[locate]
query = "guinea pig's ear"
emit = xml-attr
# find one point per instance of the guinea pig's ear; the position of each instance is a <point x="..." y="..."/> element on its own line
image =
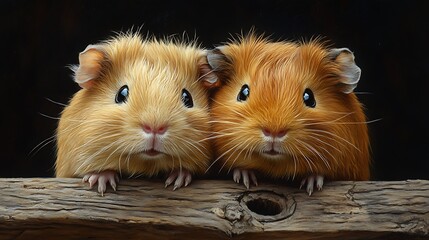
<point x="350" y="72"/>
<point x="89" y="66"/>
<point x="207" y="76"/>
<point x="217" y="62"/>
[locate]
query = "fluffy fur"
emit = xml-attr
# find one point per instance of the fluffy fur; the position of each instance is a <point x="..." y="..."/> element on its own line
<point x="330" y="139"/>
<point x="95" y="133"/>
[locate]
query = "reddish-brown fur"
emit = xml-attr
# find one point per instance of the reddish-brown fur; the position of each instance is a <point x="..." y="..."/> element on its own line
<point x="330" y="139"/>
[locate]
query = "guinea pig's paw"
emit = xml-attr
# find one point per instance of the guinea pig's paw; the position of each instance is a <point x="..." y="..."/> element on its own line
<point x="311" y="181"/>
<point x="102" y="178"/>
<point x="180" y="178"/>
<point x="238" y="173"/>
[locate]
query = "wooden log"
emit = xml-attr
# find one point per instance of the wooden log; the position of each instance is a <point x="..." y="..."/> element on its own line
<point x="55" y="208"/>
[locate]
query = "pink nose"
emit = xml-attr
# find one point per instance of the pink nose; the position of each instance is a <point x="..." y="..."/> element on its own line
<point x="269" y="133"/>
<point x="157" y="130"/>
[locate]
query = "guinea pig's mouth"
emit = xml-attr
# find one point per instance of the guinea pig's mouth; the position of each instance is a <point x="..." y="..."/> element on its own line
<point x="151" y="152"/>
<point x="272" y="153"/>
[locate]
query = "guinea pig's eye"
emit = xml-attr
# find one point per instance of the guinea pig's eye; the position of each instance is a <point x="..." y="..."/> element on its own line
<point x="122" y="94"/>
<point x="187" y="99"/>
<point x="244" y="93"/>
<point x="308" y="98"/>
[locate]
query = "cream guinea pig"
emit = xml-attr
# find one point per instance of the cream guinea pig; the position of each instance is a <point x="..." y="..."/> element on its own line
<point x="286" y="110"/>
<point x="142" y="110"/>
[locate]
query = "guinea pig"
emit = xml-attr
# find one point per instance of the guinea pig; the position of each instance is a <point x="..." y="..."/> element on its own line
<point x="142" y="110"/>
<point x="286" y="110"/>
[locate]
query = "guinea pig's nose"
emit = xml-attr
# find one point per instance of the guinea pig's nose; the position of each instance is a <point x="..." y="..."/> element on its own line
<point x="154" y="130"/>
<point x="270" y="133"/>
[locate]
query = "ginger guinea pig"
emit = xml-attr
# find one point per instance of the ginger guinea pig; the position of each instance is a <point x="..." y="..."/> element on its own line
<point x="142" y="110"/>
<point x="288" y="110"/>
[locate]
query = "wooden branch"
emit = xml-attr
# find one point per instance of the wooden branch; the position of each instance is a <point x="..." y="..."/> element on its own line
<point x="55" y="208"/>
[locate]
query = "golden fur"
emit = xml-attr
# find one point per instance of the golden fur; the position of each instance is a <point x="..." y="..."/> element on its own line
<point x="96" y="134"/>
<point x="330" y="139"/>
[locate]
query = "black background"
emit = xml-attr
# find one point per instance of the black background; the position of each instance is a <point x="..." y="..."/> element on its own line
<point x="389" y="40"/>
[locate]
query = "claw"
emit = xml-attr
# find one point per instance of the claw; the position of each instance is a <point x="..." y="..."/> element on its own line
<point x="102" y="178"/>
<point x="253" y="177"/>
<point x="319" y="182"/>
<point x="311" y="181"/>
<point x="180" y="178"/>
<point x="188" y="180"/>
<point x="112" y="181"/>
<point x="86" y="177"/>
<point x="302" y="183"/>
<point x="247" y="175"/>
<point x="93" y="180"/>
<point x="236" y="175"/>
<point x="101" y="187"/>
<point x="171" y="178"/>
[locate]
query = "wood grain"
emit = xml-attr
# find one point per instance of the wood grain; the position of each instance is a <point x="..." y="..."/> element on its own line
<point x="56" y="208"/>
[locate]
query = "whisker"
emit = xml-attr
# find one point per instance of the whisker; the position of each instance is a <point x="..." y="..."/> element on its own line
<point x="201" y="131"/>
<point x="324" y="122"/>
<point x="116" y="149"/>
<point x="323" y="142"/>
<point x="344" y="123"/>
<point x="127" y="160"/>
<point x="236" y="147"/>
<point x="363" y="93"/>
<point x="58" y="103"/>
<point x="336" y="121"/>
<point x="294" y="161"/>
<point x="92" y="156"/>
<point x="239" y="154"/>
<point x="176" y="149"/>
<point x="317" y="139"/>
<point x="195" y="143"/>
<point x="50" y="117"/>
<point x="41" y="145"/>
<point x="120" y="159"/>
<point x="204" y="75"/>
<point x="250" y="151"/>
<point x="305" y="158"/>
<point x="105" y="135"/>
<point x="334" y="135"/>
<point x="180" y="163"/>
<point x="192" y="150"/>
<point x="313" y="150"/>
<point x="365" y="122"/>
<point x="311" y="132"/>
<point x="218" y="158"/>
<point x="217" y="135"/>
<point x="336" y="112"/>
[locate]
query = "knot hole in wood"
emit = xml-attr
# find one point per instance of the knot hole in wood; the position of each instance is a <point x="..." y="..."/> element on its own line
<point x="266" y="206"/>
